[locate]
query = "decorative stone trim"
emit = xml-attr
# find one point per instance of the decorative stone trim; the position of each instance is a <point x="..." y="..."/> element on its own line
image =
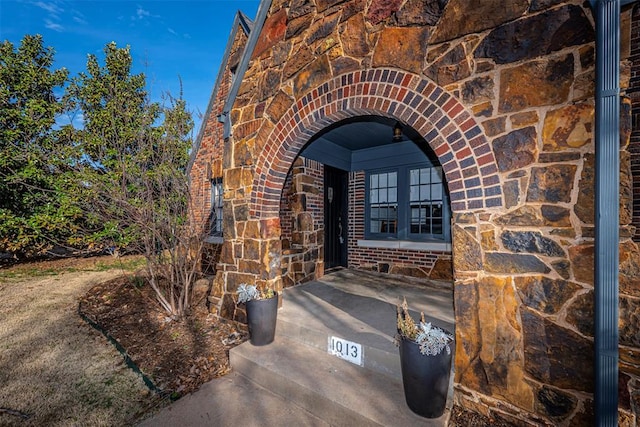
<point x="452" y="132"/>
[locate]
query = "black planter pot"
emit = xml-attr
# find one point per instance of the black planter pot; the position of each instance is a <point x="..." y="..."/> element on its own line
<point x="425" y="379"/>
<point x="261" y="318"/>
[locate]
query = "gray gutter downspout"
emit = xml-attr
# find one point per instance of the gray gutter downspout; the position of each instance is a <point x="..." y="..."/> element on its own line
<point x="261" y="16"/>
<point x="607" y="212"/>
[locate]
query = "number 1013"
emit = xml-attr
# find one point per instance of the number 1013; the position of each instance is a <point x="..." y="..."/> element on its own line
<point x="347" y="350"/>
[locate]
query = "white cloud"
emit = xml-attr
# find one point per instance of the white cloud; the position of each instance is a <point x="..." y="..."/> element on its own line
<point x="48" y="23"/>
<point x="172" y="31"/>
<point x="54" y="11"/>
<point x="50" y="7"/>
<point x="141" y="13"/>
<point x="79" y="18"/>
<point x="74" y="118"/>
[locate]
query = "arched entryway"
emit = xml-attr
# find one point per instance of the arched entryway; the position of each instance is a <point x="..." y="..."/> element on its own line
<point x="366" y="193"/>
<point x="452" y="133"/>
<point x="430" y="112"/>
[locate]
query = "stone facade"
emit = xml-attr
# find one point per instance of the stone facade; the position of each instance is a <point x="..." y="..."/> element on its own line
<point x="634" y="96"/>
<point x="503" y="93"/>
<point x="301" y="212"/>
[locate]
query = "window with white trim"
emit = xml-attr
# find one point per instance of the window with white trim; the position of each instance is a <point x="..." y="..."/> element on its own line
<point x="407" y="203"/>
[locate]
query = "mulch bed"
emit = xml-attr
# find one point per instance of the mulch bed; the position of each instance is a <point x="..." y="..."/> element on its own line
<point x="177" y="356"/>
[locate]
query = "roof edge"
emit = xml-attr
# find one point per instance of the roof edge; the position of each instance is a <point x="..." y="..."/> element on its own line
<point x="261" y="16"/>
<point x="240" y="21"/>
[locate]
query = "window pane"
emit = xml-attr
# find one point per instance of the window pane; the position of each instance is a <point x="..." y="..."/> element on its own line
<point x="424" y="176"/>
<point x="436" y="192"/>
<point x="437" y="225"/>
<point x="383" y="199"/>
<point x="382" y="195"/>
<point x="425" y="194"/>
<point x="436" y="175"/>
<point x="393" y="179"/>
<point x="436" y="211"/>
<point x="414" y="177"/>
<point x="393" y="195"/>
<point x="215" y="215"/>
<point x="414" y="194"/>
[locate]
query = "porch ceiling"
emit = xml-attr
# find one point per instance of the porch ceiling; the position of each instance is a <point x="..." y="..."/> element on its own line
<point x="359" y="133"/>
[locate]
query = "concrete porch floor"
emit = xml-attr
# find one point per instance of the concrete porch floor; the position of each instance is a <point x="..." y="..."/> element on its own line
<point x="362" y="294"/>
<point x="360" y="306"/>
<point x="294" y="381"/>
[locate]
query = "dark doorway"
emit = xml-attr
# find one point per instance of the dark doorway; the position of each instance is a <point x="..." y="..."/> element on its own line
<point x="336" y="185"/>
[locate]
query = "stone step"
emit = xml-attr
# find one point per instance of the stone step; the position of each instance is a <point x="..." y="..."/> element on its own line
<point x="336" y="391"/>
<point x="357" y="311"/>
<point x="325" y="316"/>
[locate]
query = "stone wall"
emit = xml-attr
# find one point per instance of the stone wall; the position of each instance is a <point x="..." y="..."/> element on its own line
<point x="503" y="93"/>
<point x="301" y="219"/>
<point x="634" y="95"/>
<point x="211" y="158"/>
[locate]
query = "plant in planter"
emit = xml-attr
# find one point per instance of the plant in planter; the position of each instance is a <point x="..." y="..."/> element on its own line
<point x="262" y="310"/>
<point x="425" y="359"/>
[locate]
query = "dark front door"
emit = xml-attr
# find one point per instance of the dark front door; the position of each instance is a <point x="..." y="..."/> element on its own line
<point x="336" y="184"/>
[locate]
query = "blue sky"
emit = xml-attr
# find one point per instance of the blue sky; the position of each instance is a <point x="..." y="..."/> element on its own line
<point x="167" y="38"/>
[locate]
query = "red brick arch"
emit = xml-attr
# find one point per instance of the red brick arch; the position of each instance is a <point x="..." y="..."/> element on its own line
<point x="451" y="131"/>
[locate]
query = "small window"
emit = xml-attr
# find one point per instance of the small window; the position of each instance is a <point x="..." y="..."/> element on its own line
<point x="425" y="198"/>
<point x="383" y="203"/>
<point x="215" y="217"/>
<point x="407" y="203"/>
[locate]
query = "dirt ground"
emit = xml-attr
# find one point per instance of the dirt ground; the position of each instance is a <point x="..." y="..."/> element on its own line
<point x="57" y="370"/>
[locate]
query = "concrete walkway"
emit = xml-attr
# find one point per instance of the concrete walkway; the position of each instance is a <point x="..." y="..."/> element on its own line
<point x="232" y="401"/>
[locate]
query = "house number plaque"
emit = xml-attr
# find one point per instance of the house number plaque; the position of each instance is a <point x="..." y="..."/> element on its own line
<point x="347" y="350"/>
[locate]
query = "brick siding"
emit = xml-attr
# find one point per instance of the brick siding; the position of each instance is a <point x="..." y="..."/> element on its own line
<point x="207" y="164"/>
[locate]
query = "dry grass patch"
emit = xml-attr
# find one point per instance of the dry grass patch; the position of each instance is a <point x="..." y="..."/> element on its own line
<point x="53" y="366"/>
